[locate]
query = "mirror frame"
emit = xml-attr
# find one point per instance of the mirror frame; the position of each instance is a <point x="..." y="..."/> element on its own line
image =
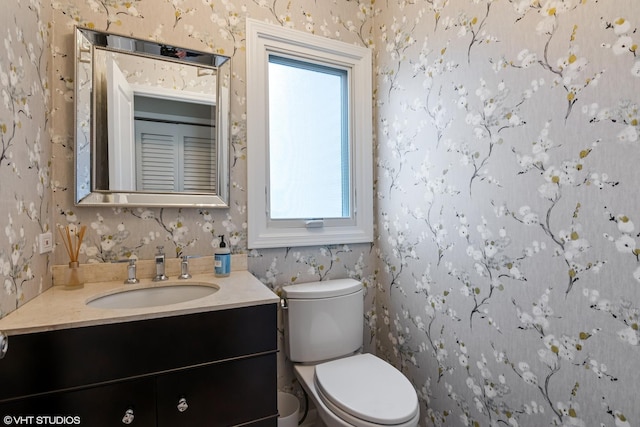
<point x="85" y="124"/>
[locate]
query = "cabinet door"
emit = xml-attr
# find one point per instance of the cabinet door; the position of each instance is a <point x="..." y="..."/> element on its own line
<point x="209" y="336"/>
<point x="221" y="394"/>
<point x="101" y="406"/>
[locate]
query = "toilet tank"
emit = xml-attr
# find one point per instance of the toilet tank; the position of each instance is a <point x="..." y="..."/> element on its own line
<point x="323" y="320"/>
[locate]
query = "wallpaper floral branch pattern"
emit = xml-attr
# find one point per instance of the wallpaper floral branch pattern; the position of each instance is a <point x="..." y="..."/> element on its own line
<point x="504" y="277"/>
<point x="25" y="166"/>
<point x="507" y="134"/>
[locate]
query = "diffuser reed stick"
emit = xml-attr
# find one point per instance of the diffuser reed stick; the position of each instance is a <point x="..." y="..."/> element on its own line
<point x="72" y="241"/>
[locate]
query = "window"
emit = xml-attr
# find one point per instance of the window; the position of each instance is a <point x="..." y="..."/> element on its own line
<point x="308" y="139"/>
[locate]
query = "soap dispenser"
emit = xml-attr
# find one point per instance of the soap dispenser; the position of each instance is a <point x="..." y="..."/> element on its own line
<point x="222" y="259"/>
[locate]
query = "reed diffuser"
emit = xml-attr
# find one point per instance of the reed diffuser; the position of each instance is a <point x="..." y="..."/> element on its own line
<point x="72" y="240"/>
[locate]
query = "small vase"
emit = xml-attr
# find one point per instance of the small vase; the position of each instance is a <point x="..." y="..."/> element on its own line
<point x="74" y="278"/>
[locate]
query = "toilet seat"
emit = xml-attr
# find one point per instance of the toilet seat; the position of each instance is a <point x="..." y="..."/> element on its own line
<point x="365" y="390"/>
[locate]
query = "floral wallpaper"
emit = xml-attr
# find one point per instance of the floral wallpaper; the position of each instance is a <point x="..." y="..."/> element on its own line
<point x="504" y="278"/>
<point x="507" y="196"/>
<point x="25" y="151"/>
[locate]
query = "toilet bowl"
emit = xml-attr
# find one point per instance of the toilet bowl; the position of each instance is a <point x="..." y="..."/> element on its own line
<point x="360" y="390"/>
<point x="323" y="336"/>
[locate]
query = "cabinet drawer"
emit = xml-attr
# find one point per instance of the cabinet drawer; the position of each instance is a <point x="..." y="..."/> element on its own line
<point x="70" y="358"/>
<point x="223" y="394"/>
<point x="102" y="406"/>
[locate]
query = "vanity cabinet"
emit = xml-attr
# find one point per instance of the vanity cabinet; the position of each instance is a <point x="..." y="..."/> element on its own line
<point x="100" y="406"/>
<point x="216" y="369"/>
<point x="242" y="380"/>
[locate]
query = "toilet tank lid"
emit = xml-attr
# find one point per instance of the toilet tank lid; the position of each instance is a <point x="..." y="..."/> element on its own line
<point x="323" y="289"/>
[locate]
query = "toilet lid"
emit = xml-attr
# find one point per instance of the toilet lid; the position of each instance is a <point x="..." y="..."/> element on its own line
<point x="368" y="388"/>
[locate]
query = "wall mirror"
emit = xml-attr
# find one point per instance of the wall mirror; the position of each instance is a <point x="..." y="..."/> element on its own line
<point x="151" y="123"/>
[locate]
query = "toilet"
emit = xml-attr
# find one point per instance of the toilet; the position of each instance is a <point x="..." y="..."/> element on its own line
<point x="323" y="338"/>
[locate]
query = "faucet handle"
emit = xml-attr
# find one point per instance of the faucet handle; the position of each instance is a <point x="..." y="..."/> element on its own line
<point x="131" y="270"/>
<point x="184" y="267"/>
<point x="131" y="273"/>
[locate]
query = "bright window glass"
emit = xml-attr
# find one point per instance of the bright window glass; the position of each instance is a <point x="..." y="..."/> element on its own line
<point x="308" y="140"/>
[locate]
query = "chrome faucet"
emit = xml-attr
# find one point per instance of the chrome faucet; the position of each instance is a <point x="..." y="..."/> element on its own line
<point x="184" y="268"/>
<point x="160" y="264"/>
<point x="131" y="273"/>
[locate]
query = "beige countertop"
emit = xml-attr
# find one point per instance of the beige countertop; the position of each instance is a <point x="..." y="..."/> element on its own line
<point x="58" y="308"/>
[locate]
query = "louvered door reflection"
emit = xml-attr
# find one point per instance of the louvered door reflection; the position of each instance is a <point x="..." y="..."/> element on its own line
<point x="199" y="166"/>
<point x="175" y="157"/>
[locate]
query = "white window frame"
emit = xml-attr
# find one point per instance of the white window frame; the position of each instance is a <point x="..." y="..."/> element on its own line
<point x="264" y="39"/>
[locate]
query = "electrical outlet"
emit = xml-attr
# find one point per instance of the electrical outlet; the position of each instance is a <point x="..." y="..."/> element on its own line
<point x="46" y="242"/>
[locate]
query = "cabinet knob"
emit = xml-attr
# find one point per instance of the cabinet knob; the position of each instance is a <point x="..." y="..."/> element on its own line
<point x="4" y="344"/>
<point x="128" y="417"/>
<point x="182" y="404"/>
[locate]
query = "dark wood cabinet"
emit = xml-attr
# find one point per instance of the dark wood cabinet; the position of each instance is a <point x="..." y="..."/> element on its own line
<point x="223" y="394"/>
<point x="215" y="369"/>
<point x="102" y="406"/>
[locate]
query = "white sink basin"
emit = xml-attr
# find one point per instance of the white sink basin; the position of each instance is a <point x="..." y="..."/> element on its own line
<point x="154" y="296"/>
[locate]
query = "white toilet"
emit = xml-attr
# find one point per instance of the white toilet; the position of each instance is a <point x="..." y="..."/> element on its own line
<point x="323" y="337"/>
